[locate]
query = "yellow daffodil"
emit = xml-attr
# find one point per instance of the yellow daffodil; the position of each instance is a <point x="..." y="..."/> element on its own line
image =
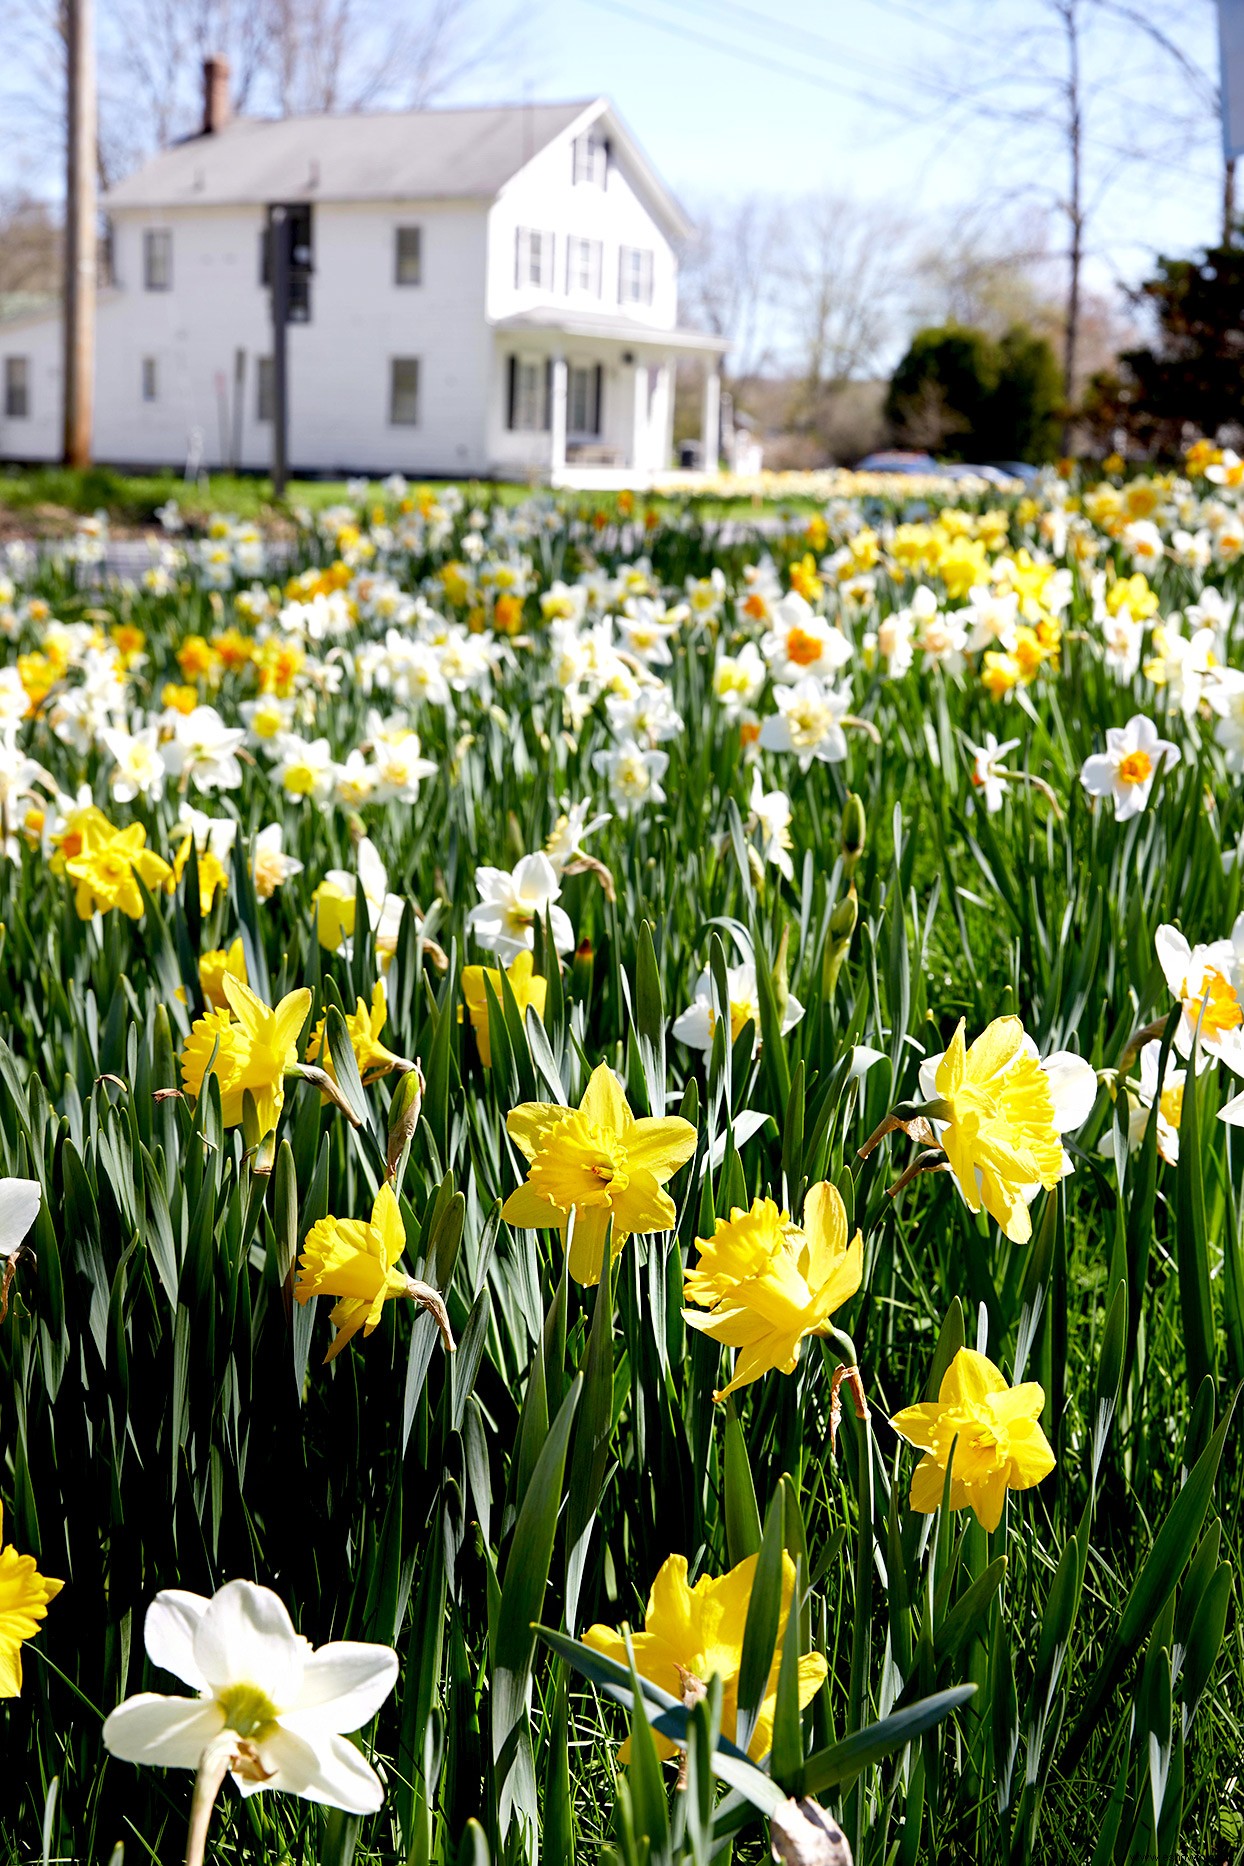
<point x="212" y="874"/>
<point x="364" y="1025"/>
<point x="527" y="986"/>
<point x="692" y="1634"/>
<point x="600" y="1163"/>
<point x="258" y="1047"/>
<point x="106" y="864"/>
<point x="767" y="1282"/>
<point x="357" y="1260"/>
<point x="995" y="1430"/>
<point x="335" y="908"/>
<point x="1005" y="1111"/>
<point x="24" y="1597"/>
<point x="212" y="969"/>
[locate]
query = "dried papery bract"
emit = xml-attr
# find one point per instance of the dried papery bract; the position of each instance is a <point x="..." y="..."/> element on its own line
<point x="855" y="1381"/>
<point x="803" y="1834"/>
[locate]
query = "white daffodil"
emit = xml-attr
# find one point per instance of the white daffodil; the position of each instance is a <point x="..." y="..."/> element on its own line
<point x="304" y="768"/>
<point x="1141" y="1096"/>
<point x="771" y="814"/>
<point x="1143" y="539"/>
<point x="647" y="627"/>
<point x="272" y="868"/>
<point x="634" y="774"/>
<point x="1207" y="980"/>
<point x="203" y="750"/>
<point x="987" y="774"/>
<point x="19" y="1207"/>
<point x="138" y="768"/>
<point x="510" y="904"/>
<point x="802" y="643"/>
<point x="399" y="768"/>
<point x="993" y="617"/>
<point x="214" y="835"/>
<point x="697" y="1025"/>
<point x="289" y="1708"/>
<point x="1180" y="663"/>
<point x="1121" y="642"/>
<point x="1225" y="694"/>
<point x="1126" y="770"/>
<point x="571" y="831"/>
<point x="807" y="722"/>
<point x="738" y="679"/>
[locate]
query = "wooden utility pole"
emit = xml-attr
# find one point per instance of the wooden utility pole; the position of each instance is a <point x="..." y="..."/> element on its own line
<point x="80" y="232"/>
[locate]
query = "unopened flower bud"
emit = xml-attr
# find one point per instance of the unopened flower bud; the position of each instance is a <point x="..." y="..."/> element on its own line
<point x="404" y="1112"/>
<point x="854" y="831"/>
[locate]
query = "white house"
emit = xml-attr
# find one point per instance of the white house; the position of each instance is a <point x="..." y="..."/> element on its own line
<point x="492" y="292"/>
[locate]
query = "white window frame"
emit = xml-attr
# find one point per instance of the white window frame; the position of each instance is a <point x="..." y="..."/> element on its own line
<point x="157" y="259"/>
<point x="534" y="252"/>
<point x="589" y="161"/>
<point x="584" y="266"/>
<point x="399" y="233"/>
<point x="635" y="273"/>
<point x="17" y="388"/>
<point x="410" y="420"/>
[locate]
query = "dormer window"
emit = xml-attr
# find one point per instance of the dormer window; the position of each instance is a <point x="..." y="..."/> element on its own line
<point x="590" y="160"/>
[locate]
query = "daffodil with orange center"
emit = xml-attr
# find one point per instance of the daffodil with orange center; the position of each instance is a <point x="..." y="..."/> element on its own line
<point x="358" y="1261"/>
<point x="996" y="1433"/>
<point x="693" y="1634"/>
<point x="24" y="1597"/>
<point x="528" y="988"/>
<point x="599" y="1163"/>
<point x="767" y="1283"/>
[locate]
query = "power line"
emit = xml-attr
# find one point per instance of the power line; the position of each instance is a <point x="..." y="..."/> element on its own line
<point x="824" y="50"/>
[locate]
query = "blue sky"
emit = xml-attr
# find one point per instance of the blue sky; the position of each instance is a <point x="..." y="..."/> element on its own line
<point x="730" y="96"/>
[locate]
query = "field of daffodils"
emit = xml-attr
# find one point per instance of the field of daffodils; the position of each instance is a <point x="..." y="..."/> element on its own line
<point x="621" y="1181"/>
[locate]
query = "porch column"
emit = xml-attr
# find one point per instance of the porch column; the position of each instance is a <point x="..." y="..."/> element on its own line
<point x="639" y="418"/>
<point x="557" y="418"/>
<point x="710" y="420"/>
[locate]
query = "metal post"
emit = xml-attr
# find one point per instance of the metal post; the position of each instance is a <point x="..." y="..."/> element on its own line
<point x="279" y="260"/>
<point x="80" y="233"/>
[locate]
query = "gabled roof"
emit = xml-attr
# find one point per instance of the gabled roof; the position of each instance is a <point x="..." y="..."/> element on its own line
<point x="408" y="155"/>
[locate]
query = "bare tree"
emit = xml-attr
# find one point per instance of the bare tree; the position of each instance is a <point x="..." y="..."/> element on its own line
<point x="844" y="280"/>
<point x="727" y="280"/>
<point x="285" y="56"/>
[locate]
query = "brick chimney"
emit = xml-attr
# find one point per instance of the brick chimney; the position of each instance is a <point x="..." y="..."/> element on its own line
<point x="215" y="95"/>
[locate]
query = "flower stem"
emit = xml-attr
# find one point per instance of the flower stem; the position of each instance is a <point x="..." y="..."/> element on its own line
<point x="214" y="1764"/>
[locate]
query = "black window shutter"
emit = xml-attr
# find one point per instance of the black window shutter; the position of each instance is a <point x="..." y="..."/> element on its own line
<point x="548" y="393"/>
<point x="511" y="389"/>
<point x="597" y="388"/>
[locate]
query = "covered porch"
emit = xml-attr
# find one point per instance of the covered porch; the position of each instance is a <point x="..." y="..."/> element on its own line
<point x="587" y="400"/>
